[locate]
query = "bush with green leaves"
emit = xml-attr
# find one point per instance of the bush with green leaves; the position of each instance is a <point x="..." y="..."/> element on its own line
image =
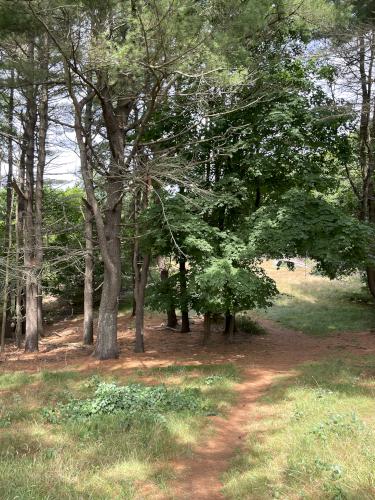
<point x="130" y="400"/>
<point x="225" y="285"/>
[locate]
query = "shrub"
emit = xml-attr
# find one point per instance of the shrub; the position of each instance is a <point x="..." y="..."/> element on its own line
<point x="132" y="399"/>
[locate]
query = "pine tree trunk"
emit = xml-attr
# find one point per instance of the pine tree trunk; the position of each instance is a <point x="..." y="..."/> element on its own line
<point x="106" y="344"/>
<point x="19" y="315"/>
<point x="30" y="261"/>
<point x="6" y="278"/>
<point x="88" y="319"/>
<point x="8" y="216"/>
<point x="42" y="153"/>
<point x="31" y="337"/>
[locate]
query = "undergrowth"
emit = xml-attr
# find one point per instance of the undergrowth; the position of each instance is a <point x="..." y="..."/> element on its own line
<point x="70" y="435"/>
<point x="130" y="400"/>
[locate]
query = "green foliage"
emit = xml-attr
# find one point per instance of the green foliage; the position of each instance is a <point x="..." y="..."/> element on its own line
<point x="132" y="401"/>
<point x="306" y="224"/>
<point x="222" y="286"/>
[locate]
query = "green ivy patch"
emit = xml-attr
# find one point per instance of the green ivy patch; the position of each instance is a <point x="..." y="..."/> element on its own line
<point x="132" y="399"/>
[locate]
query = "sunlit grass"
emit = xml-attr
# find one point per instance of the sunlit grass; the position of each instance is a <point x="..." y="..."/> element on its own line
<point x="313" y="437"/>
<point x="101" y="457"/>
<point x="319" y="306"/>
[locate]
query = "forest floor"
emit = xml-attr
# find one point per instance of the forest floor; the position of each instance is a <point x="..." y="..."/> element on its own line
<point x="227" y="455"/>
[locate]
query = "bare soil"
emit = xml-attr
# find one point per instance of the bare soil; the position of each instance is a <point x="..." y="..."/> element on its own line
<point x="261" y="358"/>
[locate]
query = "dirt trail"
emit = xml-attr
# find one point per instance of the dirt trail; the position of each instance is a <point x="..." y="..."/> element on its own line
<point x="261" y="358"/>
<point x="278" y="353"/>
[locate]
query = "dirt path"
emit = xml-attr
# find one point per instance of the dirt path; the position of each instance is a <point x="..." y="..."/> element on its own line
<point x="261" y="359"/>
<point x="278" y="353"/>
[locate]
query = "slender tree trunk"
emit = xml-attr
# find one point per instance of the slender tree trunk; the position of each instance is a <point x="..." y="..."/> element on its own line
<point x="42" y="140"/>
<point x="171" y="311"/>
<point x="88" y="320"/>
<point x="19" y="315"/>
<point x="6" y="278"/>
<point x="231" y="330"/>
<point x="88" y="300"/>
<point x="20" y="214"/>
<point x="140" y="288"/>
<point x="185" y="324"/>
<point x="9" y="211"/>
<point x="31" y="269"/>
<point x="206" y="328"/>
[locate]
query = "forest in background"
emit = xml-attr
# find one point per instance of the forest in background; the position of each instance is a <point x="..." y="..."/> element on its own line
<point x="210" y="134"/>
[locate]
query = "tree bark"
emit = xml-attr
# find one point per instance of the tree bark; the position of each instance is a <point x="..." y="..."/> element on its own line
<point x="140" y="288"/>
<point x="19" y="315"/>
<point x="6" y="278"/>
<point x="171" y="311"/>
<point x="185" y="323"/>
<point x="31" y="270"/>
<point x="106" y="344"/>
<point x="42" y="140"/>
<point x="9" y="213"/>
<point x="88" y="316"/>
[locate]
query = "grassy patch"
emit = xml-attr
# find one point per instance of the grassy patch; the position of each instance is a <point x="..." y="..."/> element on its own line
<point x="313" y="437"/>
<point x="125" y="453"/>
<point x="319" y="306"/>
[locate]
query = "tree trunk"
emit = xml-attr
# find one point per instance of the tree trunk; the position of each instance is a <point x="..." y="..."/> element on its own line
<point x="88" y="316"/>
<point x="42" y="139"/>
<point x="6" y="278"/>
<point x="140" y="286"/>
<point x="30" y="261"/>
<point x="206" y="328"/>
<point x="171" y="311"/>
<point x="370" y="271"/>
<point x="172" y="320"/>
<point x="228" y="319"/>
<point x="31" y="337"/>
<point x="185" y="324"/>
<point x="9" y="215"/>
<point x="19" y="225"/>
<point x="232" y="322"/>
<point x="106" y="344"/>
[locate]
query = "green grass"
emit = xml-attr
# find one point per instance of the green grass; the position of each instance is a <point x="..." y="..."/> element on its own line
<point x="98" y="457"/>
<point x="313" y="437"/>
<point x="319" y="306"/>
